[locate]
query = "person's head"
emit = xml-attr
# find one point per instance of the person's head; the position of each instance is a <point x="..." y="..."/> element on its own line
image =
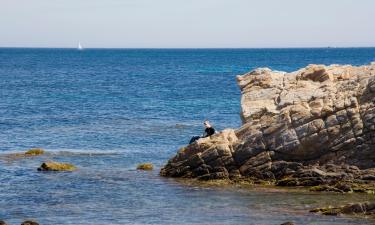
<point x="207" y="124"/>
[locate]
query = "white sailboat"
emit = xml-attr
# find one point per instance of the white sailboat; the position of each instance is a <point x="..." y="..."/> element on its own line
<point x="80" y="46"/>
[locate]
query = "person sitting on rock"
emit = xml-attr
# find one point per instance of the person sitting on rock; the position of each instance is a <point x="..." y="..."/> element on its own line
<point x="207" y="132"/>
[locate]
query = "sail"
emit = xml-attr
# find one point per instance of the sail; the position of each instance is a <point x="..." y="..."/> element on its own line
<point x="80" y="46"/>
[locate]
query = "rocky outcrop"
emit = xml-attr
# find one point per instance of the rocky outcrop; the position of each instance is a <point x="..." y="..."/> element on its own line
<point x="310" y="127"/>
<point x="207" y="158"/>
<point x="56" y="166"/>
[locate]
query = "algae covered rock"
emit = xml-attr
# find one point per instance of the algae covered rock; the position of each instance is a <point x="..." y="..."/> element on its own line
<point x="21" y="155"/>
<point x="34" y="151"/>
<point x="367" y="208"/>
<point x="56" y="166"/>
<point x="145" y="166"/>
<point x="2" y="222"/>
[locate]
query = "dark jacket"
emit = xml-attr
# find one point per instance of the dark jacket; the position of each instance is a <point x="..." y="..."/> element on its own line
<point x="208" y="132"/>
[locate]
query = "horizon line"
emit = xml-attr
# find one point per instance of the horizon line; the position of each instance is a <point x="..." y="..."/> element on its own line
<point x="124" y="48"/>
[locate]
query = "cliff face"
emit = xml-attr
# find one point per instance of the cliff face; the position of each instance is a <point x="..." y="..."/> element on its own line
<point x="316" y="123"/>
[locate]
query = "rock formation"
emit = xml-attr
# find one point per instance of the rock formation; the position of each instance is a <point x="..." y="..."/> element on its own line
<point x="310" y="127"/>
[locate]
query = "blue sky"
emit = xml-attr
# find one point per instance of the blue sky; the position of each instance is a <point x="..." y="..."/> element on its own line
<point x="187" y="23"/>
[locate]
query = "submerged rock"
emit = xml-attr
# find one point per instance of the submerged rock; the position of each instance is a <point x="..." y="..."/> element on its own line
<point x="311" y="127"/>
<point x="145" y="166"/>
<point x="35" y="151"/>
<point x="367" y="208"/>
<point x="29" y="222"/>
<point x="288" y="223"/>
<point x="56" y="166"/>
<point x="2" y="222"/>
<point x="29" y="153"/>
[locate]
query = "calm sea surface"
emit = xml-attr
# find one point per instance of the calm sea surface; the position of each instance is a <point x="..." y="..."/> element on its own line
<point x="108" y="110"/>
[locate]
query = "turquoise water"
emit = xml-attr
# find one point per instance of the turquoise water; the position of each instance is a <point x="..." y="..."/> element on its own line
<point x="108" y="110"/>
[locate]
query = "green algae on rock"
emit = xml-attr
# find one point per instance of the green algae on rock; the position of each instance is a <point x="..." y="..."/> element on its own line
<point x="29" y="153"/>
<point x="145" y="166"/>
<point x="367" y="208"/>
<point x="346" y="187"/>
<point x="56" y="166"/>
<point x="34" y="151"/>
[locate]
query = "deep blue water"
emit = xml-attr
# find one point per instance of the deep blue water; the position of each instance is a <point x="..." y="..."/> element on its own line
<point x="108" y="110"/>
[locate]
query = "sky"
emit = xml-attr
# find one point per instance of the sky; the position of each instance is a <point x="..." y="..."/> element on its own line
<point x="187" y="23"/>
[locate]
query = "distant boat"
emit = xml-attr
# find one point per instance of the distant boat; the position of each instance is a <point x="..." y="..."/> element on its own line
<point x="80" y="46"/>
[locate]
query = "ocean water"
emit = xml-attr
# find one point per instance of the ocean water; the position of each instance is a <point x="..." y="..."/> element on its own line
<point x="106" y="110"/>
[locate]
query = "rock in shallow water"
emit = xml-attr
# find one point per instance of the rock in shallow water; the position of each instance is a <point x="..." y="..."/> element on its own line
<point x="310" y="127"/>
<point x="56" y="166"/>
<point x="29" y="153"/>
<point x="29" y="222"/>
<point x="367" y="208"/>
<point x="34" y="151"/>
<point x="288" y="223"/>
<point x="145" y="166"/>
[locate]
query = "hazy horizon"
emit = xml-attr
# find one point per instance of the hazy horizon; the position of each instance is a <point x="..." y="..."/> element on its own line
<point x="187" y="24"/>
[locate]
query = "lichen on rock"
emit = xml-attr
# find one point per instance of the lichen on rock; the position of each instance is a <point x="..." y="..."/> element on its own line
<point x="311" y="127"/>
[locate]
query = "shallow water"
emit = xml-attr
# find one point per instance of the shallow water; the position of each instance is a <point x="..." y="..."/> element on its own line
<point x="108" y="110"/>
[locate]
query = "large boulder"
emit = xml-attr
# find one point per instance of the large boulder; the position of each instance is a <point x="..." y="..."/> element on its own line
<point x="312" y="126"/>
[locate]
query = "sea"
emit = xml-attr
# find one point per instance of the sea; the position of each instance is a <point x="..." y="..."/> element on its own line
<point x="107" y="110"/>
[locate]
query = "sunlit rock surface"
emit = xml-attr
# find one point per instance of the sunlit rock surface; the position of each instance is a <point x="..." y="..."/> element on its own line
<point x="310" y="127"/>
